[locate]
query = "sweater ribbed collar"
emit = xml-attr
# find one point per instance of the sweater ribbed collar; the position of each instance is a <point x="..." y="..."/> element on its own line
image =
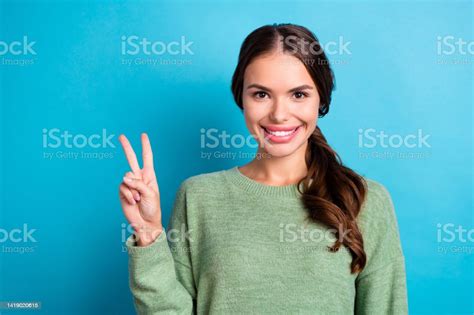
<point x="252" y="186"/>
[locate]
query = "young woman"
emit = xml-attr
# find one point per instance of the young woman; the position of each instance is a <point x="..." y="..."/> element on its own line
<point x="293" y="232"/>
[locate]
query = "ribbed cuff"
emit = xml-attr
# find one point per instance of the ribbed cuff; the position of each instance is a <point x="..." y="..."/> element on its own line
<point x="158" y="248"/>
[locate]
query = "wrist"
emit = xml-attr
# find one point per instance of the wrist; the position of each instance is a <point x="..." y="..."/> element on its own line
<point x="145" y="237"/>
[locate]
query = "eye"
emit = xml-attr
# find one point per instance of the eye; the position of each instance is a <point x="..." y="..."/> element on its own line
<point x="260" y="94"/>
<point x="300" y="94"/>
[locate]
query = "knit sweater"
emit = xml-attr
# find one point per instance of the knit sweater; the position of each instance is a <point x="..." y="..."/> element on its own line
<point x="236" y="246"/>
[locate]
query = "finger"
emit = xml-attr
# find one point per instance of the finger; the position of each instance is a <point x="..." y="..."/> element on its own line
<point x="135" y="193"/>
<point x="147" y="153"/>
<point x="130" y="154"/>
<point x="127" y="194"/>
<point x="137" y="184"/>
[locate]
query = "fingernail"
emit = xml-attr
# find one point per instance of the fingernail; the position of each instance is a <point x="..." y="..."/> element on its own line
<point x="126" y="179"/>
<point x="137" y="197"/>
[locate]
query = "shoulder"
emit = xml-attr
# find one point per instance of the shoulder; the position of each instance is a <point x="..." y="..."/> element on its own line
<point x="205" y="182"/>
<point x="377" y="216"/>
<point x="378" y="224"/>
<point x="378" y="204"/>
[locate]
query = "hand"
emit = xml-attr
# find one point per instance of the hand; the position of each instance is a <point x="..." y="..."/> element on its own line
<point x="139" y="193"/>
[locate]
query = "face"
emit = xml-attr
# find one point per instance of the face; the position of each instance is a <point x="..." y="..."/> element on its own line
<point x="280" y="102"/>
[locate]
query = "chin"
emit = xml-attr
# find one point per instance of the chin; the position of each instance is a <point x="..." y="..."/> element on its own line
<point x="276" y="151"/>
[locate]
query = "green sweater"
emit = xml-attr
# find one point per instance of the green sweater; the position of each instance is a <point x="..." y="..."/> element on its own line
<point x="237" y="246"/>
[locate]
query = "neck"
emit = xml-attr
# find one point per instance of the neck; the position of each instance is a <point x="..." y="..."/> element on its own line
<point x="278" y="171"/>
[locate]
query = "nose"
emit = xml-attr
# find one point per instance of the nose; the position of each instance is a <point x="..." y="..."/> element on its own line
<point x="279" y="112"/>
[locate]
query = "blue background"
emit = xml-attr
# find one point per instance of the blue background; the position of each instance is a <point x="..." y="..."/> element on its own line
<point x="392" y="81"/>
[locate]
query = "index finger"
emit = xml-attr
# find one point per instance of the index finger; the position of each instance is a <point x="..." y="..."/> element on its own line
<point x="147" y="153"/>
<point x="130" y="154"/>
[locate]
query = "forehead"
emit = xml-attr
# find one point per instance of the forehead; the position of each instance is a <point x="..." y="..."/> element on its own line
<point x="277" y="70"/>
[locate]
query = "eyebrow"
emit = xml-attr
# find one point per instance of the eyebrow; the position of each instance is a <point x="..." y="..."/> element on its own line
<point x="298" y="88"/>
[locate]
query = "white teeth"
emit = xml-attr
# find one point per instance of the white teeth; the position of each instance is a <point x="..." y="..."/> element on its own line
<point x="281" y="133"/>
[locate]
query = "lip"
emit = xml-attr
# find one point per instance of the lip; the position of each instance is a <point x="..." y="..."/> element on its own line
<point x="280" y="128"/>
<point x="280" y="139"/>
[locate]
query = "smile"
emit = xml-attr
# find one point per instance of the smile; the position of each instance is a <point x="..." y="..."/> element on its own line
<point x="280" y="134"/>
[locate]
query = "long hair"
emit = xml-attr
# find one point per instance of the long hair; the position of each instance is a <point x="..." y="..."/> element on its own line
<point x="332" y="193"/>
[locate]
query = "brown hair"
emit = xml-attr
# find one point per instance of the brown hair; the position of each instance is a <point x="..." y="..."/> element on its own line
<point x="332" y="193"/>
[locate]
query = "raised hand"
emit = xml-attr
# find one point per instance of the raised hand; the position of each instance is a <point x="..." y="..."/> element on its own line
<point x="139" y="193"/>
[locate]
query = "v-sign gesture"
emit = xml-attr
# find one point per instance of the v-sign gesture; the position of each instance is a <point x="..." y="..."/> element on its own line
<point x="139" y="193"/>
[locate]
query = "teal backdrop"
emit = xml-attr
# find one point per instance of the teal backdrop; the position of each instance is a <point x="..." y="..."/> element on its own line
<point x="76" y="74"/>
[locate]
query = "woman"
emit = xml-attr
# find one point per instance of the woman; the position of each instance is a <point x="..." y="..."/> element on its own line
<point x="294" y="232"/>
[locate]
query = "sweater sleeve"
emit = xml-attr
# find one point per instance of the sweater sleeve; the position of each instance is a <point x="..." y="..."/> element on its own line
<point x="381" y="286"/>
<point x="160" y="274"/>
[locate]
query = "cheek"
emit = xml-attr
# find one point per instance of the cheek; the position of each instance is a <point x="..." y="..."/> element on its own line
<point x="251" y="118"/>
<point x="307" y="112"/>
<point x="254" y="112"/>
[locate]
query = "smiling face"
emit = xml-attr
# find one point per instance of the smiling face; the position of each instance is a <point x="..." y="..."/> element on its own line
<point x="280" y="103"/>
